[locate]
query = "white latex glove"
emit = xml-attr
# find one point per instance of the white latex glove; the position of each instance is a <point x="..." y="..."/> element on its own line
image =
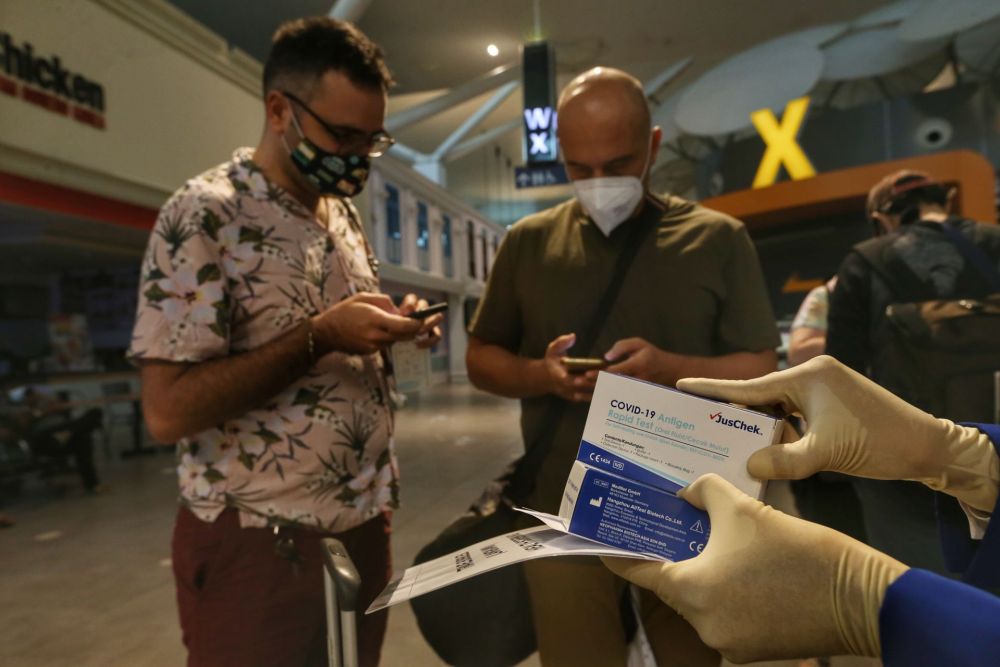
<point x="769" y="586"/>
<point x="856" y="427"/>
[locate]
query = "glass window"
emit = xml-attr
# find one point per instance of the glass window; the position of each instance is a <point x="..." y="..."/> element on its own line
<point x="471" y="238"/>
<point x="446" y="252"/>
<point x="393" y="228"/>
<point x="423" y="238"/>
<point x="486" y="258"/>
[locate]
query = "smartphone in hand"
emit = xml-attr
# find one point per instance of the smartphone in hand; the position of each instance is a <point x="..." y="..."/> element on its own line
<point x="424" y="313"/>
<point x="582" y="365"/>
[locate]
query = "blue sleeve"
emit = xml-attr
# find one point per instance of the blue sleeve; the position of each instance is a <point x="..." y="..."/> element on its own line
<point x="978" y="560"/>
<point x="927" y="619"/>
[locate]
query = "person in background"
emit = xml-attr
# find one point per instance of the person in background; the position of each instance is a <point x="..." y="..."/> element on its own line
<point x="261" y="334"/>
<point x="908" y="210"/>
<point x="53" y="432"/>
<point x="770" y="586"/>
<point x="911" y="213"/>
<point x="807" y="335"/>
<point x="692" y="303"/>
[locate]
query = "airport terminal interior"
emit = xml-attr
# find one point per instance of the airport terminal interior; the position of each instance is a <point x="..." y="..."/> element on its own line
<point x="780" y="118"/>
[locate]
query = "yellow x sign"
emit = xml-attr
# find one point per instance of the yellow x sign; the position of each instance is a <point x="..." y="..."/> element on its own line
<point x="781" y="144"/>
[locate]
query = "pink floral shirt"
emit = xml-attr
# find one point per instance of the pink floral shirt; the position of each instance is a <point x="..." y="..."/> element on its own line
<point x="232" y="263"/>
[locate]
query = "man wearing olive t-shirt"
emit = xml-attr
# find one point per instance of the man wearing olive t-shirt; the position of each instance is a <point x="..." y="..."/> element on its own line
<point x="693" y="304"/>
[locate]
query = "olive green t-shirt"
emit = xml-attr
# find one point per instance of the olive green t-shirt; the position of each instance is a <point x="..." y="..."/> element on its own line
<point x="695" y="287"/>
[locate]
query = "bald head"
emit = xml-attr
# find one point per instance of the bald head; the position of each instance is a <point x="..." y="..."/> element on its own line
<point x="604" y="125"/>
<point x="605" y="91"/>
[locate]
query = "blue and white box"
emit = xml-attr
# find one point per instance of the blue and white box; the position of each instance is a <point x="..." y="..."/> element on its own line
<point x="642" y="443"/>
<point x="626" y="514"/>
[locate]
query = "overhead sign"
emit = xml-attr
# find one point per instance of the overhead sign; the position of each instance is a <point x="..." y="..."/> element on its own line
<point x="540" y="131"/>
<point x="782" y="144"/>
<point x="540" y="123"/>
<point x="45" y="82"/>
<point x="540" y="175"/>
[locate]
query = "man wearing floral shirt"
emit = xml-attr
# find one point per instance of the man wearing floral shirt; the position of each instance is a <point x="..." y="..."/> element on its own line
<point x="261" y="336"/>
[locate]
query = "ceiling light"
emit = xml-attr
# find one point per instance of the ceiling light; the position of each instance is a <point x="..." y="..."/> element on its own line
<point x="493" y="50"/>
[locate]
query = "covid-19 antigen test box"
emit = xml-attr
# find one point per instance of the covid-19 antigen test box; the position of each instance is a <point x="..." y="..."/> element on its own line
<point x="642" y="443"/>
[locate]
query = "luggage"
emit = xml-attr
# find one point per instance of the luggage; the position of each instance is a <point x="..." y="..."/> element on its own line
<point x="481" y="622"/>
<point x="341" y="583"/>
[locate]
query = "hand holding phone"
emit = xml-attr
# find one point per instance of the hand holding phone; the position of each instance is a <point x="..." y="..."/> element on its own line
<point x="560" y="378"/>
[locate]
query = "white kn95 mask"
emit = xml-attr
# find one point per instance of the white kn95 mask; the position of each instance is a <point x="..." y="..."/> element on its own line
<point x="610" y="200"/>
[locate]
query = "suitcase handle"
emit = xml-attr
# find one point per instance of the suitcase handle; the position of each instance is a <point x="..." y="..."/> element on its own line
<point x="341" y="583"/>
<point x="345" y="576"/>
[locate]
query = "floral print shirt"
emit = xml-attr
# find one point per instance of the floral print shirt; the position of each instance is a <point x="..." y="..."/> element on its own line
<point x="234" y="262"/>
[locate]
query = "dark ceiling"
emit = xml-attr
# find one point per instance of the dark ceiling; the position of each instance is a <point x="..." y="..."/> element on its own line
<point x="437" y="44"/>
<point x="249" y="24"/>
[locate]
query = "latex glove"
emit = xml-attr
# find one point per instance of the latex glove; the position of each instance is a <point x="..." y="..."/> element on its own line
<point x="769" y="586"/>
<point x="858" y="428"/>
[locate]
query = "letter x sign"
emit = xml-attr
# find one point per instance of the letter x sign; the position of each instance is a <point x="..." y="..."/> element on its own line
<point x="539" y="143"/>
<point x="782" y="147"/>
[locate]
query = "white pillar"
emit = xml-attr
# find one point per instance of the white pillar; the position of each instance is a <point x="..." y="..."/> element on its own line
<point x="458" y="339"/>
<point x="480" y="255"/>
<point x="434" y="226"/>
<point x="490" y="247"/>
<point x="378" y="198"/>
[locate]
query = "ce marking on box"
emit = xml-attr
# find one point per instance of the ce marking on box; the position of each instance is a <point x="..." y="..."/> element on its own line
<point x="696" y="546"/>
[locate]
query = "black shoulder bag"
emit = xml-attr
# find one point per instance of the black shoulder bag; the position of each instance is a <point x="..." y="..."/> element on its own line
<point x="941" y="354"/>
<point x="486" y="621"/>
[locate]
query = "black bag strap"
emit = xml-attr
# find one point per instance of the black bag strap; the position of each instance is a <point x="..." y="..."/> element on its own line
<point x="522" y="479"/>
<point x="974" y="255"/>
<point x="587" y="336"/>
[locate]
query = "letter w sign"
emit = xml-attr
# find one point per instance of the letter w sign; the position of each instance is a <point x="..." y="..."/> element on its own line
<point x="782" y="147"/>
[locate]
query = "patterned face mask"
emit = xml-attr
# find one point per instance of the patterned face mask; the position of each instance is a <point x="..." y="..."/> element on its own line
<point x="342" y="175"/>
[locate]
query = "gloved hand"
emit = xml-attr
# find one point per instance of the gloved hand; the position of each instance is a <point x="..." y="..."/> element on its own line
<point x="768" y="585"/>
<point x="858" y="428"/>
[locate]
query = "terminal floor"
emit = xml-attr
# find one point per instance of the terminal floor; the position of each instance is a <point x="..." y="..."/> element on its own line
<point x="85" y="580"/>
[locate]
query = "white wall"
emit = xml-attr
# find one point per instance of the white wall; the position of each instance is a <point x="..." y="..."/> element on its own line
<point x="168" y="114"/>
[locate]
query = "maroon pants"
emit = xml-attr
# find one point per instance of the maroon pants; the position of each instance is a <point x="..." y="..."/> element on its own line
<point x="241" y="604"/>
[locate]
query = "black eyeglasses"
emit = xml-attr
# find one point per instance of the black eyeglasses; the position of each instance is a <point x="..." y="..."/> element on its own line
<point x="349" y="138"/>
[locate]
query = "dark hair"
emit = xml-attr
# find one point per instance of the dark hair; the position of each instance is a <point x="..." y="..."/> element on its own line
<point x="903" y="192"/>
<point x="305" y="49"/>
